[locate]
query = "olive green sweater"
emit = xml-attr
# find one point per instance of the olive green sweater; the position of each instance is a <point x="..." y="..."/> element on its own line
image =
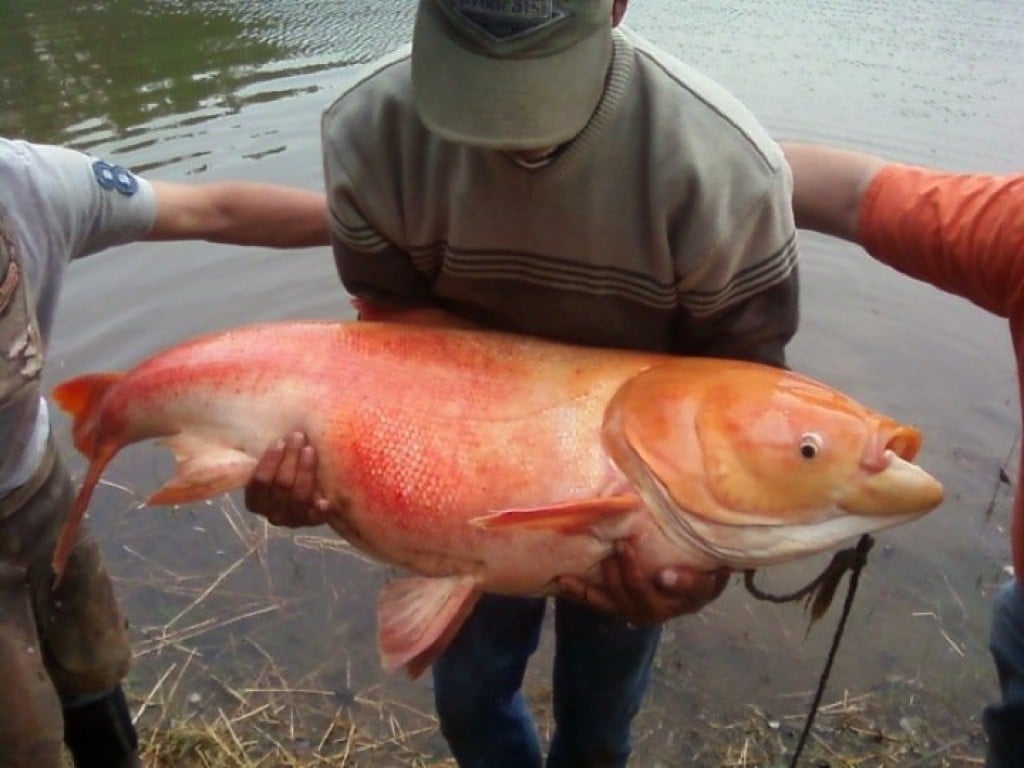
<point x="666" y="224"/>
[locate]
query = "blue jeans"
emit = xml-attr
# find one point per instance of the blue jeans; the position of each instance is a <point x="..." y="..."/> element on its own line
<point x="1004" y="722"/>
<point x="601" y="670"/>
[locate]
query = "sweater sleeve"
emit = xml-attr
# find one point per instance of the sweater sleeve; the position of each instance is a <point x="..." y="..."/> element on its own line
<point x="752" y="309"/>
<point x="963" y="233"/>
<point x="371" y="265"/>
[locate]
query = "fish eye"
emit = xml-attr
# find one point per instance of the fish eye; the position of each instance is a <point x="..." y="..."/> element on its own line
<point x="810" y="445"/>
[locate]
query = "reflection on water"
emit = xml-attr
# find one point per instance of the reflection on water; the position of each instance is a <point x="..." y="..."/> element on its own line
<point x="83" y="73"/>
<point x="218" y="89"/>
<point x="938" y="82"/>
<point x="108" y="67"/>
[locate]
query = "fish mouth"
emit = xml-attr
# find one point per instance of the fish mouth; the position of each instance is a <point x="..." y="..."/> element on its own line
<point x="904" y="442"/>
<point x="890" y="441"/>
<point x="892" y="485"/>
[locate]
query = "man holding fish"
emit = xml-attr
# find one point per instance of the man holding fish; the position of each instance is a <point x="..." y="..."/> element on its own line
<point x="63" y="652"/>
<point x="963" y="233"/>
<point x="531" y="167"/>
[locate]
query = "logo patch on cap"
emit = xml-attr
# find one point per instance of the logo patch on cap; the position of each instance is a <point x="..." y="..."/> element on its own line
<point x="504" y="20"/>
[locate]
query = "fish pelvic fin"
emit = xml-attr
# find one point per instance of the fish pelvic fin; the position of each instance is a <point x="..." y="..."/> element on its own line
<point x="204" y="470"/>
<point x="417" y="618"/>
<point x="82" y="399"/>
<point x="570" y="517"/>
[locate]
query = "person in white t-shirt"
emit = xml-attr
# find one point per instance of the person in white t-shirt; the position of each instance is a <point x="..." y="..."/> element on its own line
<point x="64" y="651"/>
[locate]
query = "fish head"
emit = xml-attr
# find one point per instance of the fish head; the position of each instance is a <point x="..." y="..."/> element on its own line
<point x="755" y="464"/>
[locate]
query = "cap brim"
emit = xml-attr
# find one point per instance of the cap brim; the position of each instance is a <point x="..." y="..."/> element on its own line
<point x="505" y="103"/>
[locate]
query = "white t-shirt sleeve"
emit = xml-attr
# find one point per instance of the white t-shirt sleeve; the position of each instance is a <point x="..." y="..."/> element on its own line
<point x="87" y="202"/>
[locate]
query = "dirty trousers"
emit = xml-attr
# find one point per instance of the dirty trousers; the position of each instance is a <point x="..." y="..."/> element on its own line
<point x="1004" y="721"/>
<point x="55" y="645"/>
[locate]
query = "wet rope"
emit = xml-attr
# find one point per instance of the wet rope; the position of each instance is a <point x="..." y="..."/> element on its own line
<point x="853" y="560"/>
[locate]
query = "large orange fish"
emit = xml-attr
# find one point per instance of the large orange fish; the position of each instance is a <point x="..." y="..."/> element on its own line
<point x="493" y="462"/>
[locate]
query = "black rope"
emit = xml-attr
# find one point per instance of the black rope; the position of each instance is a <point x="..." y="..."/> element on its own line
<point x="760" y="594"/>
<point x="853" y="560"/>
<point x="863" y="547"/>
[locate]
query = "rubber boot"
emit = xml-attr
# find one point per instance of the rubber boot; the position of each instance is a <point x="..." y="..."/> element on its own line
<point x="100" y="734"/>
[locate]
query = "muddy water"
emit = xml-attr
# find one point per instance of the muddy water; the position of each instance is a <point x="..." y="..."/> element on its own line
<point x="222" y="89"/>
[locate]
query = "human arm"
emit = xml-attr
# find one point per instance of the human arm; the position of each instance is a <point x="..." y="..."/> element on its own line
<point x="963" y="233"/>
<point x="828" y="186"/>
<point x="245" y="213"/>
<point x="79" y="205"/>
<point x="91" y="204"/>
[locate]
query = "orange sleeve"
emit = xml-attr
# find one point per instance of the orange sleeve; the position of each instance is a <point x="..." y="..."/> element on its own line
<point x="963" y="233"/>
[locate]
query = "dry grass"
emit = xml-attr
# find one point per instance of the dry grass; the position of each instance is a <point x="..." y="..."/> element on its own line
<point x="273" y="726"/>
<point x="208" y="691"/>
<point x="261" y="731"/>
<point x="848" y="733"/>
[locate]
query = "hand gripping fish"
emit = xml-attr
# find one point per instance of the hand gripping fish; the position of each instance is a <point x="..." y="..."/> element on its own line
<point x="487" y="462"/>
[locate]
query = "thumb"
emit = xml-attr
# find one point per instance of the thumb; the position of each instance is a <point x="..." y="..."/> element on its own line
<point x="676" y="580"/>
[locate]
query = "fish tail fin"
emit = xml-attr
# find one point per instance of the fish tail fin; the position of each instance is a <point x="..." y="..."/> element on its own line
<point x="82" y="398"/>
<point x="69" y="530"/>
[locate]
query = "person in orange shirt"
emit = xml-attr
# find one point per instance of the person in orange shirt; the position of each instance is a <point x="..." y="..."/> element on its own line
<point x="964" y="234"/>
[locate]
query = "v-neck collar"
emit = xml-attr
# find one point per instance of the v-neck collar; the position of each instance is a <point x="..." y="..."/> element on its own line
<point x="572" y="152"/>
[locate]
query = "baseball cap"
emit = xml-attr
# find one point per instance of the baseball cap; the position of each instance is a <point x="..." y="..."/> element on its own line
<point x="510" y="74"/>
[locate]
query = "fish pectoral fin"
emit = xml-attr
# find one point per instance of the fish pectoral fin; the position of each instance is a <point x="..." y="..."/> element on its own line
<point x="569" y="517"/>
<point x="203" y="471"/>
<point x="418" y="617"/>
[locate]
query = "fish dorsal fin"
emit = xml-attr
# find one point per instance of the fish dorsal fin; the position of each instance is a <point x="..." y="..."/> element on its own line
<point x="418" y="617"/>
<point x="204" y="469"/>
<point x="567" y="517"/>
